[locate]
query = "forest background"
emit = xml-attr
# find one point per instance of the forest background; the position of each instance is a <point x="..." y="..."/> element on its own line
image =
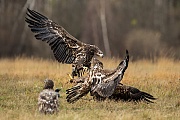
<point x="147" y="28"/>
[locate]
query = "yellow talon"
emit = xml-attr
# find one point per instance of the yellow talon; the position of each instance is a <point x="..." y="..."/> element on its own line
<point x="70" y="76"/>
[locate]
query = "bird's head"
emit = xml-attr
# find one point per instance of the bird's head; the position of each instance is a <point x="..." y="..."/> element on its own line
<point x="49" y="84"/>
<point x="94" y="50"/>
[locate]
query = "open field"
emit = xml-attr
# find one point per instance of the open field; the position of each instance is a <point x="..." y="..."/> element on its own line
<point x="21" y="80"/>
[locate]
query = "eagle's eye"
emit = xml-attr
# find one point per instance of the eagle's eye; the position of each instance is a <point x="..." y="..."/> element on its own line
<point x="92" y="51"/>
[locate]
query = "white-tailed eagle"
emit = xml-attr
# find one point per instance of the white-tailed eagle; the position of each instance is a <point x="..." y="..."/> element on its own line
<point x="102" y="88"/>
<point x="101" y="82"/>
<point x="66" y="48"/>
<point x="129" y="93"/>
<point x="48" y="99"/>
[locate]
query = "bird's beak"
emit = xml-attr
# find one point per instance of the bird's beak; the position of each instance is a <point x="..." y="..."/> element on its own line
<point x="101" y="55"/>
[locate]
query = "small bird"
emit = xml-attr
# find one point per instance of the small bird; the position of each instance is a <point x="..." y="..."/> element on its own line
<point x="99" y="81"/>
<point x="66" y="48"/>
<point x="48" y="99"/>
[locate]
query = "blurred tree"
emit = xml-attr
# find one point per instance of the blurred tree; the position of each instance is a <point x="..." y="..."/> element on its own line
<point x="112" y="25"/>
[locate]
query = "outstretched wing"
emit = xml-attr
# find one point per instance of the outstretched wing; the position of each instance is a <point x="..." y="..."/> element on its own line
<point x="128" y="93"/>
<point x="105" y="84"/>
<point x="78" y="91"/>
<point x="64" y="46"/>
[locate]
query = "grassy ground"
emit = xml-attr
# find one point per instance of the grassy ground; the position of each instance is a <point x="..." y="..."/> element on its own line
<point x="21" y="80"/>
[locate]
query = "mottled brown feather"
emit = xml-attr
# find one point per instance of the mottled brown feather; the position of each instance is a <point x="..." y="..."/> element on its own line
<point x="66" y="48"/>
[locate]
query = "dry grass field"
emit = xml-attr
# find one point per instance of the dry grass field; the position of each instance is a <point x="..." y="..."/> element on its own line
<point x="21" y="80"/>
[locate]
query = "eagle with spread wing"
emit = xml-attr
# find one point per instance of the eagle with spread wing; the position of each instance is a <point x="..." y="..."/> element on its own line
<point x="48" y="98"/>
<point x="66" y="48"/>
<point x="99" y="82"/>
<point x="129" y="93"/>
<point x="106" y="89"/>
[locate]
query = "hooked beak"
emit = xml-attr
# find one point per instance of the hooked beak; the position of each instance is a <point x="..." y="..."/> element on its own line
<point x="100" y="55"/>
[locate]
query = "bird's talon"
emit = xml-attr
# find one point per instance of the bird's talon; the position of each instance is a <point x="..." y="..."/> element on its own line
<point x="70" y="76"/>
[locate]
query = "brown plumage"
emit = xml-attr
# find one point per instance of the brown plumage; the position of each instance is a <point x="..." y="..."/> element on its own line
<point x="104" y="82"/>
<point x="101" y="88"/>
<point x="81" y="89"/>
<point x="128" y="93"/>
<point x="48" y="99"/>
<point x="66" y="48"/>
<point x="99" y="81"/>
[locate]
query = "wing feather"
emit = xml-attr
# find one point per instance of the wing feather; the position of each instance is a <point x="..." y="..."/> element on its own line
<point x="128" y="93"/>
<point x="38" y="15"/>
<point x="108" y="82"/>
<point x="78" y="91"/>
<point x="61" y="42"/>
<point x="105" y="89"/>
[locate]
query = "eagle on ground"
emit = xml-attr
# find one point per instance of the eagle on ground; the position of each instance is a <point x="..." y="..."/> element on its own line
<point x="48" y="99"/>
<point x="66" y="48"/>
<point x="129" y="93"/>
<point x="100" y="82"/>
<point x="121" y="92"/>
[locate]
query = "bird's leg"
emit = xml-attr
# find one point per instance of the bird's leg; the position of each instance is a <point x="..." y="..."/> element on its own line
<point x="74" y="72"/>
<point x="71" y="78"/>
<point x="81" y="71"/>
<point x="85" y="69"/>
<point x="78" y="70"/>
